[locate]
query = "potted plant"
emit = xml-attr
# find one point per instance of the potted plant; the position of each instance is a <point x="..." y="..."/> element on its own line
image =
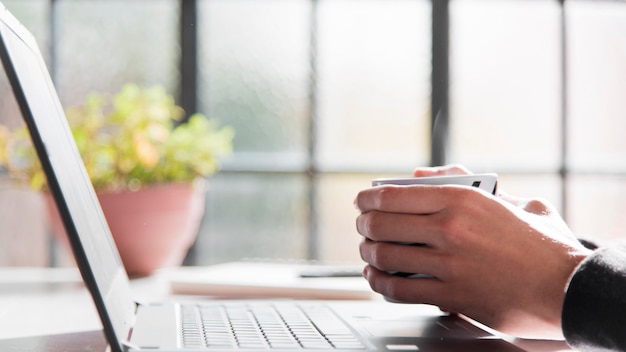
<point x="146" y="165"/>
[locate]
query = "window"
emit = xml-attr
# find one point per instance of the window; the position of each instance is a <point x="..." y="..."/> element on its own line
<point x="327" y="94"/>
<point x="597" y="111"/>
<point x="320" y="93"/>
<point x="506" y="93"/>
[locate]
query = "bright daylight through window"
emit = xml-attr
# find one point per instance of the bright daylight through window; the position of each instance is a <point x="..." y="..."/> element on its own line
<point x="325" y="95"/>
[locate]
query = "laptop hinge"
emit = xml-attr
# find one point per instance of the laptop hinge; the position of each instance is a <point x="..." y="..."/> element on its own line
<point x="127" y="346"/>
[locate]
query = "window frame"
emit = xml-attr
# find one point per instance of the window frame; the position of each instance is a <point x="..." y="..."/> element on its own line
<point x="440" y="101"/>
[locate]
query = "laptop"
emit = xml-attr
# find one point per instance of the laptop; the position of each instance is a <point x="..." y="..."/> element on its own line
<point x="216" y="325"/>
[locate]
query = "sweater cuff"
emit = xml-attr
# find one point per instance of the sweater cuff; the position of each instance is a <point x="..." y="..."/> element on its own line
<point x="594" y="309"/>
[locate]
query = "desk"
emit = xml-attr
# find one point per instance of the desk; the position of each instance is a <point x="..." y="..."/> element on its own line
<point x="49" y="309"/>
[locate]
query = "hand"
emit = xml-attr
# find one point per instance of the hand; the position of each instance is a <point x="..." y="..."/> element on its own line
<point x="502" y="261"/>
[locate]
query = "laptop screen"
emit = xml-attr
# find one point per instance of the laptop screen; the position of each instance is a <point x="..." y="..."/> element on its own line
<point x="94" y="249"/>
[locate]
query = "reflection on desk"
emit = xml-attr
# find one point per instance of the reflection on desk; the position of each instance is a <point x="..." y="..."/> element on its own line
<point x="36" y="301"/>
<point x="93" y="341"/>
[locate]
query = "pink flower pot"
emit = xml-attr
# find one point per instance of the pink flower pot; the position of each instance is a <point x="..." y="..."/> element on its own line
<point x="152" y="227"/>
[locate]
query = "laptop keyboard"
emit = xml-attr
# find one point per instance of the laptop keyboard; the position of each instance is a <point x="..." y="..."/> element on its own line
<point x="264" y="326"/>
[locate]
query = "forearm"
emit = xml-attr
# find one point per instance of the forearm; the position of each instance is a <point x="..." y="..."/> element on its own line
<point x="594" y="310"/>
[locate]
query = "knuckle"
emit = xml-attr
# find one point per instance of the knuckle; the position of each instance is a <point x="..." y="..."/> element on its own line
<point x="537" y="206"/>
<point x="455" y="222"/>
<point x="465" y="195"/>
<point x="386" y="195"/>
<point x="371" y="224"/>
<point x="396" y="292"/>
<point x="378" y="256"/>
<point x="449" y="228"/>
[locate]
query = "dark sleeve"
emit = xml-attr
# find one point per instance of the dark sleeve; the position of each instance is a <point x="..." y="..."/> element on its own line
<point x="594" y="310"/>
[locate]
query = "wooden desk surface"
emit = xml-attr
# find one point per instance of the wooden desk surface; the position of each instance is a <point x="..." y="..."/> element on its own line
<point x="43" y="309"/>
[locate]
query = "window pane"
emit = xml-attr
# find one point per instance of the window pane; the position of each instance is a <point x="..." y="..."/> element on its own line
<point x="597" y="77"/>
<point x="597" y="206"/>
<point x="254" y="216"/>
<point x="105" y="44"/>
<point x="338" y="238"/>
<point x="23" y="230"/>
<point x="374" y="88"/>
<point x="505" y="84"/>
<point x="254" y="74"/>
<point x="34" y="16"/>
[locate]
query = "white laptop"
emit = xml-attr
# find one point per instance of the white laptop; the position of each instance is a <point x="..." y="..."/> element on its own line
<point x="216" y="325"/>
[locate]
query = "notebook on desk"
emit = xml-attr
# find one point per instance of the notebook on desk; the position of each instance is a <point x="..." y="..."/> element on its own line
<point x="272" y="279"/>
<point x="219" y="325"/>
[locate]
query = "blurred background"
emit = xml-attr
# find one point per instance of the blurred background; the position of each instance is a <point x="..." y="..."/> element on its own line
<point x="325" y="95"/>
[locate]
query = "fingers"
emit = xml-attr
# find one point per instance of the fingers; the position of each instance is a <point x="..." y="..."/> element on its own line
<point x="452" y="169"/>
<point x="393" y="257"/>
<point x="380" y="198"/>
<point x="413" y="199"/>
<point x="476" y="249"/>
<point x="414" y="290"/>
<point x="419" y="213"/>
<point x="403" y="228"/>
